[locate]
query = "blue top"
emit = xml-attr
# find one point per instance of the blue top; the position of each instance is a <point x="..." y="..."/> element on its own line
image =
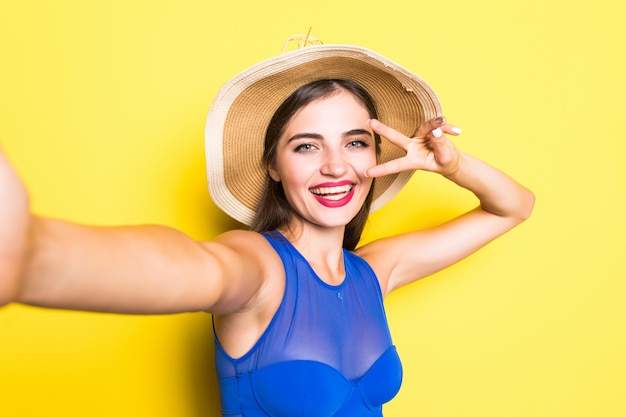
<point x="326" y="352"/>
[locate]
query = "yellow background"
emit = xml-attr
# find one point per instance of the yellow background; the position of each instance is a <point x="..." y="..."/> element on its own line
<point x="102" y="109"/>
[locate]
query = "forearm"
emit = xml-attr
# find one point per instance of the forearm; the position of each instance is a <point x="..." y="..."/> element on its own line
<point x="498" y="193"/>
<point x="66" y="263"/>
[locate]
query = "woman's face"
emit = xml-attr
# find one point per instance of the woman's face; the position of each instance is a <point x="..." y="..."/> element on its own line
<point x="321" y="159"/>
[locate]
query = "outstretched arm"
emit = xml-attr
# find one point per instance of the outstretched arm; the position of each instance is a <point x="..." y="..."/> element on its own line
<point x="132" y="269"/>
<point x="504" y="203"/>
<point x="14" y="230"/>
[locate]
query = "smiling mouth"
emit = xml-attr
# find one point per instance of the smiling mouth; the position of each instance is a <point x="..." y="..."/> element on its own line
<point x="333" y="193"/>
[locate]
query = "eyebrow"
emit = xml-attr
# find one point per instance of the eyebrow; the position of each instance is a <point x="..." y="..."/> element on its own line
<point x="307" y="135"/>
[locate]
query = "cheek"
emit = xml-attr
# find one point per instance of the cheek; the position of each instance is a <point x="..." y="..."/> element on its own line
<point x="362" y="164"/>
<point x="368" y="160"/>
<point x="292" y="174"/>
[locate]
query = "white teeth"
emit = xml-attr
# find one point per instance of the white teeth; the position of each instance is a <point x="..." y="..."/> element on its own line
<point x="334" y="197"/>
<point x="332" y="193"/>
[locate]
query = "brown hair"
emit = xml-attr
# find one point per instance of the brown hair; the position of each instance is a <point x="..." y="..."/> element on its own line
<point x="274" y="211"/>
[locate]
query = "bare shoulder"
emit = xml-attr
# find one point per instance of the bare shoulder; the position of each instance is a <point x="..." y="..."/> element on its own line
<point x="241" y="237"/>
<point x="261" y="277"/>
<point x="379" y="254"/>
<point x="249" y="246"/>
<point x="254" y="269"/>
<point x="238" y="328"/>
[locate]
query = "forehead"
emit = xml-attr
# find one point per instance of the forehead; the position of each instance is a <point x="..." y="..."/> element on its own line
<point x="340" y="108"/>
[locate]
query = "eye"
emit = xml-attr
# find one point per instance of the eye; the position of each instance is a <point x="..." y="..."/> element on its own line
<point x="357" y="144"/>
<point x="305" y="147"/>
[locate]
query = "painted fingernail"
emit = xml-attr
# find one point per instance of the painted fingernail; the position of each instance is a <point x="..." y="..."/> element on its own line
<point x="456" y="130"/>
<point x="439" y="120"/>
<point x="437" y="132"/>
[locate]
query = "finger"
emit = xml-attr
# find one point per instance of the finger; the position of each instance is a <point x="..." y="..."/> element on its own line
<point x="425" y="128"/>
<point x="451" y="130"/>
<point x="436" y="139"/>
<point x="390" y="167"/>
<point x="443" y="149"/>
<point x="391" y="134"/>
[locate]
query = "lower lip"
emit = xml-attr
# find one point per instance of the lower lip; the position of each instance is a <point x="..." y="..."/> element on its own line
<point x="335" y="203"/>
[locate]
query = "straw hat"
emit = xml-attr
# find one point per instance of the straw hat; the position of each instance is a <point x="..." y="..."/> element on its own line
<point x="243" y="107"/>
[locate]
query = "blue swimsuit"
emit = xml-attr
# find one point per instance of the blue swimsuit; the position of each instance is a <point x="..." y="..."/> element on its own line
<point x="326" y="352"/>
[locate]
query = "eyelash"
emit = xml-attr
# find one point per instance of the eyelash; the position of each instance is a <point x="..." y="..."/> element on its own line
<point x="305" y="147"/>
<point x="358" y="144"/>
<point x="309" y="147"/>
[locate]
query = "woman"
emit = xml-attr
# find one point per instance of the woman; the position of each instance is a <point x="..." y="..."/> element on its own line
<point x="298" y="315"/>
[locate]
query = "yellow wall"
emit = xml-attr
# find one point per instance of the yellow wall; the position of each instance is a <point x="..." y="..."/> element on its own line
<point x="102" y="108"/>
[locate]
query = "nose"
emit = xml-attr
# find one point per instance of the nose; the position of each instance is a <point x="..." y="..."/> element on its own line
<point x="334" y="164"/>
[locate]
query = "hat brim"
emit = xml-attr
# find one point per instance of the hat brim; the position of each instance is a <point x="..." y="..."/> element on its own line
<point x="242" y="109"/>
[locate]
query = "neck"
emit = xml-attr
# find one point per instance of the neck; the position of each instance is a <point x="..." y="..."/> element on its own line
<point x="321" y="247"/>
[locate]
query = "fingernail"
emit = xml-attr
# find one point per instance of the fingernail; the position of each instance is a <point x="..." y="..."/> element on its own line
<point x="437" y="132"/>
<point x="365" y="174"/>
<point x="456" y="130"/>
<point x="439" y="120"/>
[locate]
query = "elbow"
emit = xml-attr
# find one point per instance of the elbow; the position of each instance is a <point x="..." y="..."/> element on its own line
<point x="526" y="204"/>
<point x="517" y="209"/>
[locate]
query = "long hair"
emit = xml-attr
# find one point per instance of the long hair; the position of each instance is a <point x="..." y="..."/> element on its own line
<point x="274" y="211"/>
